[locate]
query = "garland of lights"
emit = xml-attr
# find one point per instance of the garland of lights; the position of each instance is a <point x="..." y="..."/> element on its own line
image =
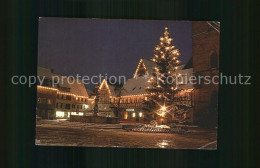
<point x="166" y="63"/>
<point x="137" y="69"/>
<point x="59" y="92"/>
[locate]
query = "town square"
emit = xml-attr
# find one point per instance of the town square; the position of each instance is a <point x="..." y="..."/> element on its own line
<point x="159" y="106"/>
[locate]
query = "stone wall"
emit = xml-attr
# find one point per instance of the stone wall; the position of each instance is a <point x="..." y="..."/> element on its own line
<point x="205" y="41"/>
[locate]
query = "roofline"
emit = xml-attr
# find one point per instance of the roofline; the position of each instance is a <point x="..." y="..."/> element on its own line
<point x="141" y="61"/>
<point x="102" y="83"/>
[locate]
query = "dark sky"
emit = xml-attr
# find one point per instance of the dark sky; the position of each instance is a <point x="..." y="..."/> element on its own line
<point x="93" y="46"/>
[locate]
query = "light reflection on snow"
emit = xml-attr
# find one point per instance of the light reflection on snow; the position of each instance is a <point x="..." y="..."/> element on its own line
<point x="163" y="126"/>
<point x="163" y="144"/>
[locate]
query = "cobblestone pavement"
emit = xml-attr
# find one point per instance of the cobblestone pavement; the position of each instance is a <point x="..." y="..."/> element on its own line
<point x="65" y="133"/>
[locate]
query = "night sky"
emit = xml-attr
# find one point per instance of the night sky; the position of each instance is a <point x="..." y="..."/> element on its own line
<point x="93" y="46"/>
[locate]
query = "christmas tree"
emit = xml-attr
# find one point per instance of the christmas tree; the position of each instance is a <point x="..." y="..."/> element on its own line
<point x="163" y="79"/>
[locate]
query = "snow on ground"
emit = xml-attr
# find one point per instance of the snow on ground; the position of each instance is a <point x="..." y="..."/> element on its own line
<point x="65" y="133"/>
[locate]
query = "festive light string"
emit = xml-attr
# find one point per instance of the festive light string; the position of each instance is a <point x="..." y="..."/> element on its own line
<point x="136" y="95"/>
<point x="164" y="51"/>
<point x="59" y="92"/>
<point x="167" y="48"/>
<point x="48" y="88"/>
<point x="140" y="62"/>
<point x="104" y="82"/>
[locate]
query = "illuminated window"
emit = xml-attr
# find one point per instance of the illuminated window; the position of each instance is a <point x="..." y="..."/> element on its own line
<point x="86" y="106"/>
<point x="125" y="116"/>
<point x="59" y="114"/>
<point x="133" y="115"/>
<point x="140" y="114"/>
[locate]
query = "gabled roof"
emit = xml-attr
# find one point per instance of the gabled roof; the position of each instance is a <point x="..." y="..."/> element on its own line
<point x="135" y="86"/>
<point x="76" y="87"/>
<point x="41" y="71"/>
<point x="147" y="64"/>
<point x="111" y="89"/>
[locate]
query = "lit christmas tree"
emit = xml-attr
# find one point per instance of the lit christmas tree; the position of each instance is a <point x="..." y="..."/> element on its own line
<point x="162" y="82"/>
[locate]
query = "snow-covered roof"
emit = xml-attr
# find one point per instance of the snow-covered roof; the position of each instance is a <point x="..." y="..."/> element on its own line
<point x="41" y="71"/>
<point x="62" y="80"/>
<point x="75" y="86"/>
<point x="113" y="91"/>
<point x="146" y="64"/>
<point x="135" y="86"/>
<point x="149" y="65"/>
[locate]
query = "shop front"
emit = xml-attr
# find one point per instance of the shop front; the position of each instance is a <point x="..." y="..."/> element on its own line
<point x="133" y="115"/>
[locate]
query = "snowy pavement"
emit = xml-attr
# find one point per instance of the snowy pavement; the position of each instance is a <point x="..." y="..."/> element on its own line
<point x="65" y="133"/>
<point x="76" y="125"/>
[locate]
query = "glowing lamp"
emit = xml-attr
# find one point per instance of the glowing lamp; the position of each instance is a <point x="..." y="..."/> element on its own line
<point x="163" y="108"/>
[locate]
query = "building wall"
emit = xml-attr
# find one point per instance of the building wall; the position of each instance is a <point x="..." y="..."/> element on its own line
<point x="46" y="100"/>
<point x="68" y="104"/>
<point x="205" y="48"/>
<point x="104" y="102"/>
<point x="51" y="104"/>
<point x="131" y="107"/>
<point x="184" y="97"/>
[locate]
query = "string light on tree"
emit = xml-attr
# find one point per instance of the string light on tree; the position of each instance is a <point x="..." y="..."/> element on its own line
<point x="166" y="63"/>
